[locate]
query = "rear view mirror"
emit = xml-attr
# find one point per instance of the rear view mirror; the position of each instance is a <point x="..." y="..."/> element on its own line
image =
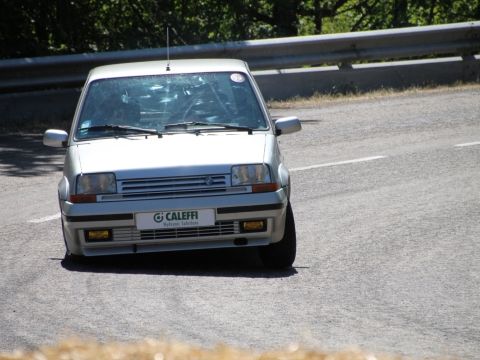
<point x="287" y="125"/>
<point x="55" y="138"/>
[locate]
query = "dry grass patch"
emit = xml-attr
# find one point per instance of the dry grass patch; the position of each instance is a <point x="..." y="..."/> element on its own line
<point x="162" y="350"/>
<point x="324" y="99"/>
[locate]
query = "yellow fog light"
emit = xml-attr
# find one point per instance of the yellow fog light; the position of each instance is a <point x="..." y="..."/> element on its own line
<point x="98" y="235"/>
<point x="253" y="225"/>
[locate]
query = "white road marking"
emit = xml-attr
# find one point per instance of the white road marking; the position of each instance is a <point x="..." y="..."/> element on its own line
<point x="338" y="163"/>
<point x="45" y="219"/>
<point x="468" y="144"/>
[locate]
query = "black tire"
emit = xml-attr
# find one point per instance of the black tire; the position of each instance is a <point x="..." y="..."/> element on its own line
<point x="281" y="255"/>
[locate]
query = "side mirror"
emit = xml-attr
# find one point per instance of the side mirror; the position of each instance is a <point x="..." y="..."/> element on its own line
<point x="287" y="125"/>
<point x="55" y="138"/>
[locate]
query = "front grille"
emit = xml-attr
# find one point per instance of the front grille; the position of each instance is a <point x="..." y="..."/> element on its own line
<point x="174" y="187"/>
<point x="220" y="228"/>
<point x="157" y="185"/>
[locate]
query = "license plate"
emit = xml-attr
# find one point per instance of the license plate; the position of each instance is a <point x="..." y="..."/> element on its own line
<point x="175" y="219"/>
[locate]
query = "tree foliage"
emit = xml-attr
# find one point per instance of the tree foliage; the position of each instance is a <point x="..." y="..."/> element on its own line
<point x="37" y="28"/>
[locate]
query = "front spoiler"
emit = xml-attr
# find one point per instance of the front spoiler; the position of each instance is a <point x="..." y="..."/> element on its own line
<point x="78" y="217"/>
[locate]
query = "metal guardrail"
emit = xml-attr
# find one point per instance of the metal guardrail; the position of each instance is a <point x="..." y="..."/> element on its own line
<point x="29" y="74"/>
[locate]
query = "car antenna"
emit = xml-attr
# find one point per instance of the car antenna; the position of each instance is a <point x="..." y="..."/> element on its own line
<point x="168" y="49"/>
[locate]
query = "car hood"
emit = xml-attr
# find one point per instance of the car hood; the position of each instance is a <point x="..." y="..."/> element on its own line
<point x="171" y="155"/>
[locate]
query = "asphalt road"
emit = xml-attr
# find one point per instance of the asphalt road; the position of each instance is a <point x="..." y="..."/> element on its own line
<point x="386" y="195"/>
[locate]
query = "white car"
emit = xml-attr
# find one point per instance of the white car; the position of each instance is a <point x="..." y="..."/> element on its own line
<point x="180" y="155"/>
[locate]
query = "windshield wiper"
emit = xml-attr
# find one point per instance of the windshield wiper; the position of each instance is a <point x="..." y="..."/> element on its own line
<point x="185" y="125"/>
<point x="123" y="128"/>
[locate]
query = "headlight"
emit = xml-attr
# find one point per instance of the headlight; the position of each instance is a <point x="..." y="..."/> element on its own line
<point x="250" y="174"/>
<point x="96" y="184"/>
<point x="256" y="175"/>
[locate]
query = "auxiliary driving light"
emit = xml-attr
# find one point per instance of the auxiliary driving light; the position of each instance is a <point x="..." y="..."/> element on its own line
<point x="98" y="235"/>
<point x="253" y="226"/>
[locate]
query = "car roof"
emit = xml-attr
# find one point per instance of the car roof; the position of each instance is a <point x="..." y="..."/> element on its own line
<point x="160" y="68"/>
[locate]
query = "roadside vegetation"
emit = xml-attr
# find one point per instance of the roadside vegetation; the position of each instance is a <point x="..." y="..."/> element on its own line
<point x="37" y="28"/>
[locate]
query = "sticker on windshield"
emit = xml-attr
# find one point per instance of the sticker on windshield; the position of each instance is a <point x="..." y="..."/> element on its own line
<point x="238" y="78"/>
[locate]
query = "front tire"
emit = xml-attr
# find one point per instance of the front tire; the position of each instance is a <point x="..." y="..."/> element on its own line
<point x="281" y="255"/>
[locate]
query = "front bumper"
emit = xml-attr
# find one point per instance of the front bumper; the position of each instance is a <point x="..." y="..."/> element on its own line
<point x="119" y="217"/>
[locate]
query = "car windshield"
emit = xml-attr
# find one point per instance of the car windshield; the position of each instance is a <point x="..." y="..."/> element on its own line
<point x="155" y="102"/>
